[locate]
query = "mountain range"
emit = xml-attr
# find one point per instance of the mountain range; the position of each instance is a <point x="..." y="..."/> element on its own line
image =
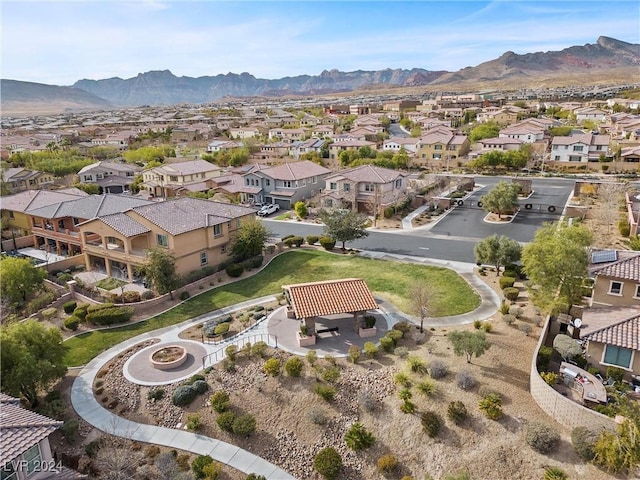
<point x="602" y="59"/>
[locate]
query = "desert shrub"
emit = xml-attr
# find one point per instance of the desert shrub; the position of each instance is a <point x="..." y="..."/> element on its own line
<point x="438" y="369"/>
<point x="231" y="351"/>
<point x="331" y="374"/>
<point x="407" y="406"/>
<point x="358" y="437"/>
<point x="312" y="357"/>
<point x="183" y="395"/>
<point x="544" y="357"/>
<point x="371" y="349"/>
<point x="184" y="295"/>
<point x="91" y="449"/>
<point x="234" y="270"/>
<point x="554" y="473"/>
<point x="254" y="476"/>
<point x="549" y="377"/>
<point x="81" y="313"/>
<point x="525" y="328"/>
<point x="388" y="464"/>
<point x="295" y="240"/>
<point x="504" y="308"/>
<point x="491" y="405"/>
<point x="55" y="395"/>
<point x="430" y="422"/>
<point x="369" y="321"/>
<point x="387" y="344"/>
<point x="516" y="311"/>
<point x="395" y="335"/>
<point x="402" y="379"/>
<point x="584" y="441"/>
<point x="367" y="401"/>
<point x="487" y="327"/>
<point x="71" y="323"/>
<point x="219" y="401"/>
<point x="193" y="422"/>
<point x="317" y="416"/>
<point x="616" y="373"/>
<point x="221" y="329"/>
<point x="326" y="392"/>
<point x="427" y="388"/>
<point x="244" y="425"/>
<point x="330" y="359"/>
<point x="311" y="239"/>
<point x="328" y="463"/>
<point x="49" y="313"/>
<point x="200" y="386"/>
<point x="465" y="380"/>
<point x="623" y="226"/>
<point x="212" y="471"/>
<point x="293" y="366"/>
<point x="403" y="327"/>
<point x="260" y="349"/>
<point x="155" y="394"/>
<point x="69" y="307"/>
<point x="511" y="293"/>
<point x="354" y="353"/>
<point x="477" y="324"/>
<point x="506" y="282"/>
<point x="541" y="437"/>
<point x="401" y="352"/>
<point x="327" y="243"/>
<point x="457" y="412"/>
<point x="508" y="319"/>
<point x="225" y="421"/>
<point x="131" y="297"/>
<point x="41" y="301"/>
<point x="198" y="465"/>
<point x="147" y="295"/>
<point x="109" y="316"/>
<point x="416" y="364"/>
<point x="194" y="378"/>
<point x="272" y="367"/>
<point x="69" y="429"/>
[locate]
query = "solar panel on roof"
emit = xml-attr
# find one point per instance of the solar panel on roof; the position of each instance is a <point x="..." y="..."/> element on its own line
<point x="604" y="256"/>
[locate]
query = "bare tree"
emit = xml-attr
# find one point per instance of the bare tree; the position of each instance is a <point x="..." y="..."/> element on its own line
<point x="420" y="302"/>
<point x="609" y="198"/>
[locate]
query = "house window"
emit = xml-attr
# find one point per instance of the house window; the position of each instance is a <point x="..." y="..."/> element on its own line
<point x="333" y="186"/>
<point x="76" y="221"/>
<point x="557" y="158"/>
<point x="33" y="459"/>
<point x="399" y="183"/>
<point x="369" y="187"/>
<point x="314" y="180"/>
<point x="237" y="222"/>
<point x="578" y="148"/>
<point x="162" y="240"/>
<point x="346" y="187"/>
<point x="229" y="225"/>
<point x="223" y="249"/>
<point x="217" y="230"/>
<point x="575" y="158"/>
<point x="60" y="223"/>
<point x="11" y="215"/>
<point x="618" y="356"/>
<point x="246" y="181"/>
<point x="637" y="295"/>
<point x="203" y="258"/>
<point x="437" y="147"/>
<point x="173" y="178"/>
<point x="267" y="182"/>
<point x="615" y="288"/>
<point x="287" y="184"/>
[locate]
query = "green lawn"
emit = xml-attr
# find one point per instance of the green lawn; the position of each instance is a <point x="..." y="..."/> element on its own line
<point x="393" y="281"/>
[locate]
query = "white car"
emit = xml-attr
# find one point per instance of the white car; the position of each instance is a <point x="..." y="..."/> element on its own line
<point x="268" y="210"/>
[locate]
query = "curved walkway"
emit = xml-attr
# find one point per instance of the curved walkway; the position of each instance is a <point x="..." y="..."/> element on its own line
<point x="94" y="413"/>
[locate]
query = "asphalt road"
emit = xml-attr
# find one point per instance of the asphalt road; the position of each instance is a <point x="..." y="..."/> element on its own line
<point x="455" y="235"/>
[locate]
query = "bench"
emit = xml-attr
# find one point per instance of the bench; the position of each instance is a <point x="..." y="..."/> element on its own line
<point x="327" y="330"/>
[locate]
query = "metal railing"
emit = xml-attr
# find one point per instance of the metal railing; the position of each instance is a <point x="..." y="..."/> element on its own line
<point x="239" y="341"/>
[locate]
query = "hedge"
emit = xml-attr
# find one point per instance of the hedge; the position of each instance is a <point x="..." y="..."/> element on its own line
<point x="111" y="315"/>
<point x="69" y="307"/>
<point x="183" y="395"/>
<point x="506" y="282"/>
<point x="311" y="239"/>
<point x="71" y="323"/>
<point x="99" y="306"/>
<point x="327" y="243"/>
<point x="295" y="240"/>
<point x="511" y="293"/>
<point x="234" y="270"/>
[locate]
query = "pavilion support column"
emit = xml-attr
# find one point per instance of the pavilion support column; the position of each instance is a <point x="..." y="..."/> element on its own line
<point x="310" y="322"/>
<point x="356" y="321"/>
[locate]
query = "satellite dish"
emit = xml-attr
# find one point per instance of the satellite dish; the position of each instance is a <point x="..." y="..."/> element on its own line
<point x="577" y="323"/>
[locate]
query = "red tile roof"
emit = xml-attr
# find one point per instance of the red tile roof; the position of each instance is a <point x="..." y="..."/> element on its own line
<point x="627" y="269"/>
<point x="330" y="297"/>
<point x="624" y="334"/>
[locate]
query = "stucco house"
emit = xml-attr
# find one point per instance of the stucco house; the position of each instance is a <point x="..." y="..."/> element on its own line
<point x="111" y="177"/>
<point x="196" y="232"/>
<point x="442" y="146"/>
<point x="366" y="188"/>
<point x="579" y="148"/>
<point x="617" y="281"/>
<point x="347" y="144"/>
<point x="174" y="179"/>
<point x="20" y="179"/>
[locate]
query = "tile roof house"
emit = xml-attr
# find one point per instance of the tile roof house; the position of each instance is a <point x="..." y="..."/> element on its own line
<point x="111" y="177"/>
<point x="196" y="232"/>
<point x="395" y="144"/>
<point x="174" y="179"/>
<point x="20" y="179"/>
<point x="348" y="143"/>
<point x="366" y="188"/>
<point x="579" y="148"/>
<point x="439" y="146"/>
<point x="617" y="283"/>
<point x="500" y="143"/>
<point x="25" y="451"/>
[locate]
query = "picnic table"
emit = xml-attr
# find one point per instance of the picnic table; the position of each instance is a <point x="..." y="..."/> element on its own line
<point x="593" y="390"/>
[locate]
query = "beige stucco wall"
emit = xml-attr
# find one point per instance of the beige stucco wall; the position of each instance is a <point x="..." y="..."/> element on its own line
<point x="602" y="297"/>
<point x="595" y="355"/>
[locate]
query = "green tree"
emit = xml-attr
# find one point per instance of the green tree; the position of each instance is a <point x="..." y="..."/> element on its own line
<point x="501" y="199"/>
<point x="300" y="209"/>
<point x="469" y="343"/>
<point x="344" y="225"/>
<point x="250" y="240"/>
<point x="19" y="279"/>
<point x="484" y="130"/>
<point x="620" y="451"/>
<point x="497" y="250"/>
<point x="31" y="359"/>
<point x="90" y="188"/>
<point x="160" y="271"/>
<point x="566" y="346"/>
<point x="556" y="263"/>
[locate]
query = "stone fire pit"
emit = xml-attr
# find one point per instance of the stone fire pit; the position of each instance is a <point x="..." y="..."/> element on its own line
<point x="168" y="357"/>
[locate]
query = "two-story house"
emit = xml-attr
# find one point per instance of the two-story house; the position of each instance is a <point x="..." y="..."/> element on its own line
<point x="366" y="188"/>
<point x="286" y="184"/>
<point x="244" y="132"/>
<point x="395" y="144"/>
<point x="111" y="177"/>
<point x="348" y="144"/>
<point x="287" y="135"/>
<point x="20" y="179"/>
<point x="196" y="232"/>
<point x="296" y="149"/>
<point x="580" y="148"/>
<point x="174" y="179"/>
<point x="439" y="147"/>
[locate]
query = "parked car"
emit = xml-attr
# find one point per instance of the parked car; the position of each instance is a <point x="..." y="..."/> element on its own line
<point x="268" y="210"/>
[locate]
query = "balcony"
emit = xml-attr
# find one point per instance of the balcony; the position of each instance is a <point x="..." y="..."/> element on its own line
<point x="115" y="252"/>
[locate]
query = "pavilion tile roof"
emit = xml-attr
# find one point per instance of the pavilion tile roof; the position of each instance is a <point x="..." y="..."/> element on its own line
<point x="21" y="429"/>
<point x="625" y="268"/>
<point x="623" y="333"/>
<point x="330" y="297"/>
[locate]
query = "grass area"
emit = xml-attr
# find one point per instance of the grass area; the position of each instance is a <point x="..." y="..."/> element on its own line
<point x="110" y="283"/>
<point x="393" y="281"/>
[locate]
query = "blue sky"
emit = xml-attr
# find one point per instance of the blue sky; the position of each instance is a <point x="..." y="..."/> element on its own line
<point x="60" y="42"/>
